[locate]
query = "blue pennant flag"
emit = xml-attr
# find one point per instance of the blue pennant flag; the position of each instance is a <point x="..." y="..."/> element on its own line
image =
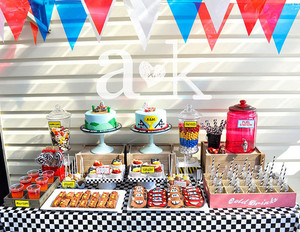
<point x="42" y="11"/>
<point x="184" y="12"/>
<point x="284" y="24"/>
<point x="72" y="16"/>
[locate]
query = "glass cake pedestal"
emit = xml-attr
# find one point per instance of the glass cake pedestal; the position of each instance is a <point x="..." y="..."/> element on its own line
<point x="151" y="148"/>
<point x="102" y="148"/>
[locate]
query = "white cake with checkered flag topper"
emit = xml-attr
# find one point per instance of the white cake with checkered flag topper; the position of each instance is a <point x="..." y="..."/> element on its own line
<point x="150" y="119"/>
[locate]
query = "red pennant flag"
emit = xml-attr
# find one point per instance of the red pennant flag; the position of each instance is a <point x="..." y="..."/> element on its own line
<point x="15" y="13"/>
<point x="99" y="11"/>
<point x="209" y="28"/>
<point x="35" y="30"/>
<point x="269" y="16"/>
<point x="250" y="10"/>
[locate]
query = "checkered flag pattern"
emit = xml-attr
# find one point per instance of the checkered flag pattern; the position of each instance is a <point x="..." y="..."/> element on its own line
<point x="215" y="220"/>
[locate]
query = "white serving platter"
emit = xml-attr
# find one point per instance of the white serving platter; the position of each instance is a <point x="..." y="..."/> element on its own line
<point x="204" y="208"/>
<point x="47" y="204"/>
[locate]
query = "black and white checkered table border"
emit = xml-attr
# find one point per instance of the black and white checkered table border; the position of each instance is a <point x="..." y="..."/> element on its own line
<point x="221" y="220"/>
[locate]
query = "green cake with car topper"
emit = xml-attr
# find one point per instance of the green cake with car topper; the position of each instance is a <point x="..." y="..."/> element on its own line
<point x="100" y="118"/>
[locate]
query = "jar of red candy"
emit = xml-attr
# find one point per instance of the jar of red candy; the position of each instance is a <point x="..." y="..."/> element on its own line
<point x="189" y="130"/>
<point x="241" y="128"/>
<point x="59" y="126"/>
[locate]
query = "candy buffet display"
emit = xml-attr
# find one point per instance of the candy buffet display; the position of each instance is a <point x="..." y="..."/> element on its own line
<point x="172" y="199"/>
<point x="85" y="200"/>
<point x="245" y="187"/>
<point x="241" y="128"/>
<point x="59" y="126"/>
<point x="139" y="169"/>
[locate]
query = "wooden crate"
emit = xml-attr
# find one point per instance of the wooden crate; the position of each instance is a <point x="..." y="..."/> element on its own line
<point x="133" y="152"/>
<point x="89" y="158"/>
<point x="254" y="158"/>
<point x="28" y="203"/>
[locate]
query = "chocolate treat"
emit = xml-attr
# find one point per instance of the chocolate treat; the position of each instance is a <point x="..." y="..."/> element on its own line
<point x="56" y="202"/>
<point x="86" y="195"/>
<point x="74" y="202"/>
<point x="175" y="200"/>
<point x="64" y="203"/>
<point x="83" y="204"/>
<point x="111" y="204"/>
<point x="70" y="195"/>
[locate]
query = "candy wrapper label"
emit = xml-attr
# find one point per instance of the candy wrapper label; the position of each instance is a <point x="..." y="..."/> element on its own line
<point x="54" y="124"/>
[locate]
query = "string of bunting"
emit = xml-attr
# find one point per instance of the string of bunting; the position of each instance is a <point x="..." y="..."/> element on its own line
<point x="275" y="16"/>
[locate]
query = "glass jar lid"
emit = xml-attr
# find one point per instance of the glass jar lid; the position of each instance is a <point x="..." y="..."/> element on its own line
<point x="242" y="107"/>
<point x="58" y="113"/>
<point x="189" y="113"/>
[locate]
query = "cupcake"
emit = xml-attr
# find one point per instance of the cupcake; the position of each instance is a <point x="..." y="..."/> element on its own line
<point x="116" y="173"/>
<point x="116" y="163"/>
<point x="137" y="162"/>
<point x="171" y="180"/>
<point x="157" y="171"/>
<point x="135" y="171"/>
<point x="93" y="174"/>
<point x="155" y="162"/>
<point x="178" y="177"/>
<point x="97" y="163"/>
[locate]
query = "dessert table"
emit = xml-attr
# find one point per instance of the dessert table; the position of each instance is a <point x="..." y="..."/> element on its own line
<point x="257" y="219"/>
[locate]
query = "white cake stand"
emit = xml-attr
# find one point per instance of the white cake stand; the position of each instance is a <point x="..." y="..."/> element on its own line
<point x="151" y="148"/>
<point x="102" y="148"/>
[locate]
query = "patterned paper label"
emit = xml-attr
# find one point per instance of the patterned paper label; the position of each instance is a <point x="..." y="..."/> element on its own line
<point x="54" y="124"/>
<point x="22" y="203"/>
<point x="103" y="170"/>
<point x="190" y="124"/>
<point x="68" y="184"/>
<point x="147" y="169"/>
<point x="245" y="124"/>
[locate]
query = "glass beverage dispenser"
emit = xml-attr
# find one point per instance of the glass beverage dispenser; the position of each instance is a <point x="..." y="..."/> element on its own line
<point x="59" y="127"/>
<point x="241" y="128"/>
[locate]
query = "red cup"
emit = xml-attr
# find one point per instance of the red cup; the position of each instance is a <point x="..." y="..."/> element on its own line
<point x="33" y="174"/>
<point x="43" y="182"/>
<point x="50" y="175"/>
<point x="34" y="191"/>
<point x="26" y="181"/>
<point x="17" y="191"/>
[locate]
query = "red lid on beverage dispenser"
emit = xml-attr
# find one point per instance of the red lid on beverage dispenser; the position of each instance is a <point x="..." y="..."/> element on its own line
<point x="242" y="107"/>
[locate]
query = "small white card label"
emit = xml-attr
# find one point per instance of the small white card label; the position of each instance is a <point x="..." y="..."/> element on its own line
<point x="180" y="183"/>
<point x="103" y="170"/>
<point x="245" y="124"/>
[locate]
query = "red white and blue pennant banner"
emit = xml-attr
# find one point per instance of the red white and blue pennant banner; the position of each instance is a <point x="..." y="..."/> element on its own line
<point x="275" y="16"/>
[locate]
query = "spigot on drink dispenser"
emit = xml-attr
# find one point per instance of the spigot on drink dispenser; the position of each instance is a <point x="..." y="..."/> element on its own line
<point x="189" y="130"/>
<point x="241" y="128"/>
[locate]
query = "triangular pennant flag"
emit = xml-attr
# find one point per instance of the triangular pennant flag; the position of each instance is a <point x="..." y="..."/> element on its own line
<point x="210" y="32"/>
<point x="15" y="13"/>
<point x="2" y="22"/>
<point x="250" y="10"/>
<point x="42" y="12"/>
<point x="284" y="24"/>
<point x="35" y="31"/>
<point x="184" y="12"/>
<point x="217" y="10"/>
<point x="143" y="14"/>
<point x="72" y="16"/>
<point x="98" y="13"/>
<point x="269" y="16"/>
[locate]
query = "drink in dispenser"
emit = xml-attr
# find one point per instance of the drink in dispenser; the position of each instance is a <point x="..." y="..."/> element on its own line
<point x="241" y="128"/>
<point x="189" y="130"/>
<point x="59" y="127"/>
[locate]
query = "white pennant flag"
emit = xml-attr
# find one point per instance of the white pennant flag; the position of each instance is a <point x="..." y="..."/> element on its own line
<point x="143" y="14"/>
<point x="2" y="21"/>
<point x="217" y="10"/>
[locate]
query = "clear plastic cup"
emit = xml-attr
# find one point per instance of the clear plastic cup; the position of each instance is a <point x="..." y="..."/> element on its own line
<point x="43" y="182"/>
<point x="26" y="181"/>
<point x="34" y="191"/>
<point x="17" y="191"/>
<point x="50" y="175"/>
<point x="33" y="174"/>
